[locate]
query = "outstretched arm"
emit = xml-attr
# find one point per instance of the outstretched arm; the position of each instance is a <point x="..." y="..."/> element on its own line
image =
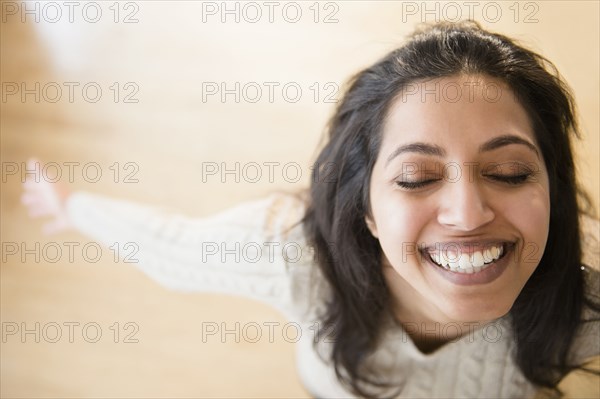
<point x="242" y="251"/>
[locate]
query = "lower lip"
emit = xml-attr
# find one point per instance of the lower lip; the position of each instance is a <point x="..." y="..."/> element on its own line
<point x="485" y="276"/>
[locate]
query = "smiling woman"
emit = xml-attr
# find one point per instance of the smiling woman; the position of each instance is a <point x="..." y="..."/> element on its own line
<point x="504" y="229"/>
<point x="459" y="218"/>
<point x="439" y="247"/>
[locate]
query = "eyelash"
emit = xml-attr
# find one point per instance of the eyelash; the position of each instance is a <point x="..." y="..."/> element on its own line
<point x="514" y="179"/>
<point x="415" y="185"/>
<point x="511" y="180"/>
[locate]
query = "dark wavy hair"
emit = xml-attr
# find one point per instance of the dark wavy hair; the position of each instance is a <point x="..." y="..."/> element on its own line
<point x="548" y="312"/>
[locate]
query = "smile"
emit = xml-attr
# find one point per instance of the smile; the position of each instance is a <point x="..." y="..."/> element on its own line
<point x="467" y="259"/>
<point x="461" y="269"/>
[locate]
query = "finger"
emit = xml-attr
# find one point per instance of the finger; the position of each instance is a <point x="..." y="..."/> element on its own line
<point x="39" y="211"/>
<point x="29" y="198"/>
<point x="33" y="182"/>
<point x="55" y="226"/>
<point x="29" y="182"/>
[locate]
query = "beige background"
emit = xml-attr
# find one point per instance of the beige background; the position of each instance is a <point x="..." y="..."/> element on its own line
<point x="170" y="133"/>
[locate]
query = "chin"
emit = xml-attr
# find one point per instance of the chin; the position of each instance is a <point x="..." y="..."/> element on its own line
<point x="477" y="311"/>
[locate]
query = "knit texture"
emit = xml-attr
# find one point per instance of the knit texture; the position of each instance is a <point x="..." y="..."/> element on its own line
<point x="258" y="250"/>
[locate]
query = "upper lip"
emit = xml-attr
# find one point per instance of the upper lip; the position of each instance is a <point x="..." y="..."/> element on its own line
<point x="464" y="247"/>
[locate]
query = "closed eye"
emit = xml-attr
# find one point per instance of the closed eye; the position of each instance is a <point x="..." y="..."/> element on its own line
<point x="417" y="184"/>
<point x="510" y="179"/>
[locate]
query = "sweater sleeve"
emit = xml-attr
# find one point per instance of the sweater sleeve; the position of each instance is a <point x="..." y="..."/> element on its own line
<point x="242" y="251"/>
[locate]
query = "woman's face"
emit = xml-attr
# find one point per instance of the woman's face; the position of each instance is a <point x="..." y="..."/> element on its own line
<point x="460" y="181"/>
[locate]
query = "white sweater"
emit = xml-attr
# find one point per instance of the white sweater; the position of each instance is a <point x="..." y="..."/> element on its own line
<point x="249" y="250"/>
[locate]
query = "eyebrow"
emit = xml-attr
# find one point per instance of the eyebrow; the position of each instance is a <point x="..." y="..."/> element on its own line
<point x="507" y="139"/>
<point x="436" y="150"/>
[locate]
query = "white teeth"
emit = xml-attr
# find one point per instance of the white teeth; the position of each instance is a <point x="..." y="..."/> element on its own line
<point x="465" y="263"/>
<point x="487" y="256"/>
<point x="445" y="259"/>
<point x="477" y="259"/>
<point x="495" y="252"/>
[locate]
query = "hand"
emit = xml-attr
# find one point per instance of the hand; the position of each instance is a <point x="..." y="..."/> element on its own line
<point x="45" y="199"/>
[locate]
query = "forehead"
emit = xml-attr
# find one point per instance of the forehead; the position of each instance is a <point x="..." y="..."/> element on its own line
<point x="466" y="109"/>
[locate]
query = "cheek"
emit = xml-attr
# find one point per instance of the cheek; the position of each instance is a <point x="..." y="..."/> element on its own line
<point x="528" y="211"/>
<point x="399" y="224"/>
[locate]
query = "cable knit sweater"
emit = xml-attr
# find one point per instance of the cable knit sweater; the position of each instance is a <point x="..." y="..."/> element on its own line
<point x="258" y="251"/>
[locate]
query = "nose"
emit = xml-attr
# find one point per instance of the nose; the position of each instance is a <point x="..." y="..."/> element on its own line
<point x="464" y="206"/>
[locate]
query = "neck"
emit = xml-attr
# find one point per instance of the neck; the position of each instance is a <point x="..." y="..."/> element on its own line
<point x="428" y="328"/>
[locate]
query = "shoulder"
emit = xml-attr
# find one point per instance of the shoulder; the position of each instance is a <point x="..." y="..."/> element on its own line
<point x="284" y="213"/>
<point x="284" y="223"/>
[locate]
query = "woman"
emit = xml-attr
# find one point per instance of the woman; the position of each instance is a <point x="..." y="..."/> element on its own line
<point x="439" y="251"/>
